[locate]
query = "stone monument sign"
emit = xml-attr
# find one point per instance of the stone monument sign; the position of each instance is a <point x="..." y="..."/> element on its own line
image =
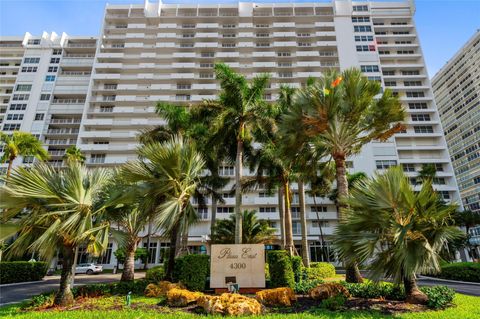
<point x="238" y="264"/>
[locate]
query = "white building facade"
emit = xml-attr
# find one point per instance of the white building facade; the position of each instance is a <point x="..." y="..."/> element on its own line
<point x="164" y="52"/>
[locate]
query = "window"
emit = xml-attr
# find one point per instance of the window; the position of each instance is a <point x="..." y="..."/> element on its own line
<point x="33" y="41"/>
<point x="226" y="170"/>
<point x="28" y="159"/>
<point x="54" y="60"/>
<point x="405" y="52"/>
<point x="444" y="194"/>
<point x="207" y="54"/>
<point x="439" y="180"/>
<point x="106" y="109"/>
<point x="285" y="74"/>
<point x="15" y="117"/>
<point x="206" y="65"/>
<point x="360" y="19"/>
<point x="304" y="44"/>
<point x="420" y="117"/>
<point x="362" y="8"/>
<point x="52" y="69"/>
<point x="375" y="78"/>
<point x="408" y="167"/>
<point x="388" y="73"/>
<point x="364" y="38"/>
<point x="97" y="158"/>
<point x="284" y="64"/>
<point x="362" y="28"/>
<point x="262" y="26"/>
<point x="322" y="224"/>
<point x="18" y="107"/>
<point x="318" y="209"/>
<point x="229" y="26"/>
<point x="206" y="76"/>
<point x="228" y="195"/>
<point x="50" y="78"/>
<point x="413" y="72"/>
<point x="229" y="35"/>
<point x="29" y="69"/>
<point x="283" y="54"/>
<point x="415" y="94"/>
<point x="182" y="97"/>
<point x="31" y="60"/>
<point x="107" y="255"/>
<point x="296" y="229"/>
<point x="11" y="127"/>
<point x="417" y="106"/>
<point x="202" y="212"/>
<point x="39" y="116"/>
<point x="110" y="86"/>
<point x="109" y="98"/>
<point x="264" y="194"/>
<point x="390" y="83"/>
<point x="224" y="210"/>
<point x="365" y="48"/>
<point x="186" y="45"/>
<point x="423" y="129"/>
<point x="152" y="252"/>
<point x="20" y="97"/>
<point x="188" y="35"/>
<point x="57" y="52"/>
<point x="262" y="45"/>
<point x="384" y="164"/>
<point x="267" y="209"/>
<point x="101" y="142"/>
<point x="369" y="68"/>
<point x="412" y="83"/>
<point x="23" y="87"/>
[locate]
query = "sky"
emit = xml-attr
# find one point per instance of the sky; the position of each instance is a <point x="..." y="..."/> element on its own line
<point x="444" y="26"/>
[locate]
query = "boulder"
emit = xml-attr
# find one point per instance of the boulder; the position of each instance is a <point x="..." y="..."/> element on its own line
<point x="327" y="290"/>
<point x="161" y="289"/>
<point x="182" y="297"/>
<point x="283" y="296"/>
<point x="230" y="305"/>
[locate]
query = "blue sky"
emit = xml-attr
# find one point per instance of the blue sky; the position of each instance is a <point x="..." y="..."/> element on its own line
<point x="443" y="25"/>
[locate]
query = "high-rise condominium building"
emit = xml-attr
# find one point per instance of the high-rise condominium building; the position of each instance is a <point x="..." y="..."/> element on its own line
<point x="457" y="93"/>
<point x="166" y="52"/>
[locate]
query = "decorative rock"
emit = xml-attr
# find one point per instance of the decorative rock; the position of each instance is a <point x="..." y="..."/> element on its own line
<point x="182" y="297"/>
<point x="153" y="290"/>
<point x="277" y="297"/>
<point x="324" y="291"/>
<point x="230" y="304"/>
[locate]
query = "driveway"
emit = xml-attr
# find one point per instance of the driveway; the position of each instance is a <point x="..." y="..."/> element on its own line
<point x="21" y="291"/>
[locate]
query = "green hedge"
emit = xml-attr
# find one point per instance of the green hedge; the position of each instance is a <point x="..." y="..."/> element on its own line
<point x="137" y="287"/>
<point x="466" y="271"/>
<point x="439" y="297"/>
<point x="384" y="290"/>
<point x="281" y="271"/>
<point x="192" y="271"/>
<point x="320" y="270"/>
<point x="155" y="274"/>
<point x="20" y="271"/>
<point x="297" y="267"/>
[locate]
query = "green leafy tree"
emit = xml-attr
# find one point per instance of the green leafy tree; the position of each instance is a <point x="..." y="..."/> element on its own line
<point x="399" y="231"/>
<point x="240" y="112"/>
<point x="468" y="219"/>
<point x="20" y="144"/>
<point x="168" y="175"/>
<point x="57" y="211"/>
<point x="255" y="231"/>
<point x="341" y="113"/>
<point x="74" y="154"/>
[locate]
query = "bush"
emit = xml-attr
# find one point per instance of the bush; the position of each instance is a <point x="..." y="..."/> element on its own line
<point x="281" y="272"/>
<point x="192" y="271"/>
<point x="137" y="287"/>
<point x="276" y="297"/>
<point x="376" y="290"/>
<point x="334" y="303"/>
<point x="140" y="254"/>
<point x="466" y="271"/>
<point x="328" y="290"/>
<point x="320" y="270"/>
<point x="20" y="271"/>
<point x="304" y="286"/>
<point x="155" y="274"/>
<point x="267" y="272"/>
<point x="42" y="301"/>
<point x="297" y="267"/>
<point x="438" y="296"/>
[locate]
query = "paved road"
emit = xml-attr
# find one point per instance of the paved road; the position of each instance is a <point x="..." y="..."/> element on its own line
<point x="22" y="291"/>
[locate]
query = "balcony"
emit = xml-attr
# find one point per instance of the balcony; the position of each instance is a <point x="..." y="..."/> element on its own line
<point x="65" y="121"/>
<point x="68" y="101"/>
<point x="63" y="131"/>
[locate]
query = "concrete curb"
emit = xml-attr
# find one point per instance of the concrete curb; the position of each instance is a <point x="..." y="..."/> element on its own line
<point x="22" y="283"/>
<point x="450" y="281"/>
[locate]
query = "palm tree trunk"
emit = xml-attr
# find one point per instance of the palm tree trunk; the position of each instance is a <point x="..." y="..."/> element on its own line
<point x="322" y="239"/>
<point x="289" y="246"/>
<point x="303" y="224"/>
<point x="414" y="295"/>
<point x="149" y="232"/>
<point x="172" y="253"/>
<point x="128" y="273"/>
<point x="183" y="243"/>
<point x="282" y="217"/>
<point x="238" y="191"/>
<point x="64" y="296"/>
<point x="352" y="271"/>
<point x="214" y="216"/>
<point x="10" y="163"/>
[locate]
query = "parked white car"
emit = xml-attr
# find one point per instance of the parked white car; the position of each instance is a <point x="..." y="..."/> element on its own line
<point x="88" y="269"/>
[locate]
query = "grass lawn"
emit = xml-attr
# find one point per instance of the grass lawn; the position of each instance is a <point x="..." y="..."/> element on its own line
<point x="467" y="307"/>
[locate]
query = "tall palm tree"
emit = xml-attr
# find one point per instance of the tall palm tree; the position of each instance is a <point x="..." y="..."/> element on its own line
<point x="341" y="113"/>
<point x="255" y="230"/>
<point x="168" y="174"/>
<point x="468" y="219"/>
<point x="240" y="112"/>
<point x="57" y="211"/>
<point x="74" y="154"/>
<point x="399" y="231"/>
<point x="20" y="144"/>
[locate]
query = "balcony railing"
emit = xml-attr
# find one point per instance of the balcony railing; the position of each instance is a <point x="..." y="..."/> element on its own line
<point x="68" y="101"/>
<point x="65" y="121"/>
<point x="63" y="131"/>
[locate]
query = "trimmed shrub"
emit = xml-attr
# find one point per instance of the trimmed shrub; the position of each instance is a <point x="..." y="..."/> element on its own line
<point x="230" y="305"/>
<point x="297" y="267"/>
<point x="276" y="297"/>
<point x="384" y="290"/>
<point x="466" y="271"/>
<point x="192" y="271"/>
<point x="281" y="272"/>
<point x="21" y="271"/>
<point x="304" y="286"/>
<point x="320" y="270"/>
<point x="328" y="290"/>
<point x="155" y="274"/>
<point x="137" y="287"/>
<point x="42" y="301"/>
<point x="182" y="297"/>
<point x="438" y="296"/>
<point x="334" y="303"/>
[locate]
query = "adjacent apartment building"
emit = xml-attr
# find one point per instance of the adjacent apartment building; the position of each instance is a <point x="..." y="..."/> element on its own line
<point x="166" y="52"/>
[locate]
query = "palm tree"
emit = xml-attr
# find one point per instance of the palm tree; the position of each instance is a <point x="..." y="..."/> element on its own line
<point x="74" y="154"/>
<point x="20" y="144"/>
<point x="57" y="211"/>
<point x="340" y="114"/>
<point x="468" y="219"/>
<point x="240" y="112"/>
<point x="168" y="174"/>
<point x="255" y="231"/>
<point x="399" y="231"/>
